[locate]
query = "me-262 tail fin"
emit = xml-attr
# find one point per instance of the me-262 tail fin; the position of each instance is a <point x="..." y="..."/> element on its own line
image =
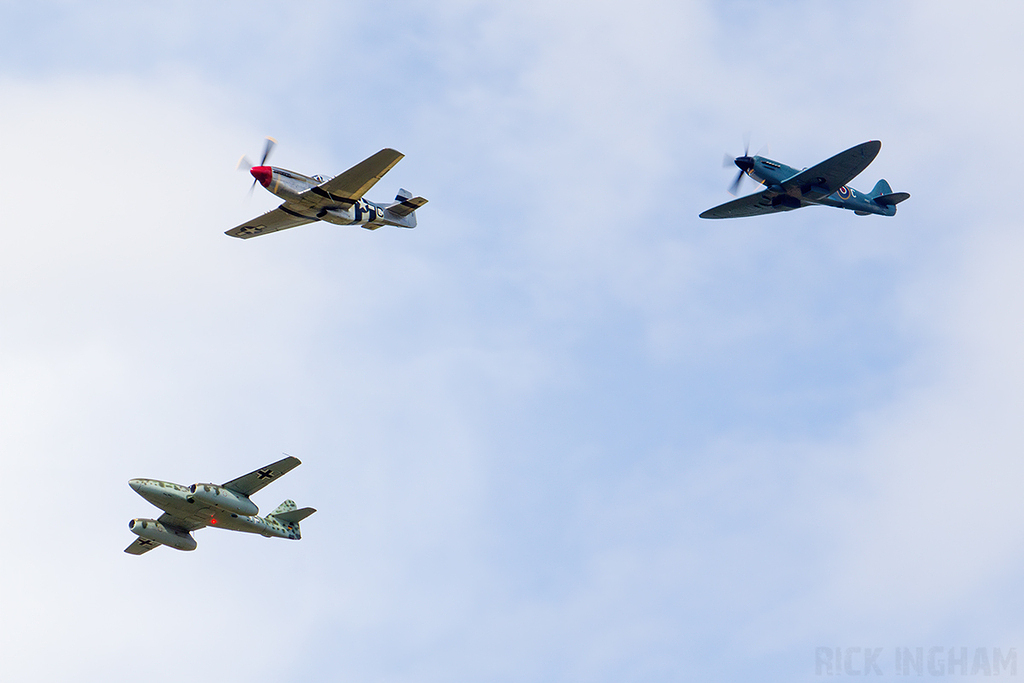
<point x="289" y="515"/>
<point x="883" y="194"/>
<point x="403" y="211"/>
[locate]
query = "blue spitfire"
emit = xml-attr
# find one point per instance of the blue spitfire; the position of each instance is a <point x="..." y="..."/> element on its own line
<point x="825" y="184"/>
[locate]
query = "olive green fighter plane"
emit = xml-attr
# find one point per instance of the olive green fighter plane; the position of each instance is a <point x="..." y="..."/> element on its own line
<point x="825" y="184"/>
<point x="187" y="508"/>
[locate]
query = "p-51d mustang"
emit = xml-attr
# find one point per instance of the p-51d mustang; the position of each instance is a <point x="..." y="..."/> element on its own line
<point x="187" y="508"/>
<point x="336" y="200"/>
<point x="788" y="188"/>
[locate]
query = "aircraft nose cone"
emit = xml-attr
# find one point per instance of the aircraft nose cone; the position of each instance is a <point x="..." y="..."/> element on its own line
<point x="262" y="174"/>
<point x="136" y="484"/>
<point x="745" y="163"/>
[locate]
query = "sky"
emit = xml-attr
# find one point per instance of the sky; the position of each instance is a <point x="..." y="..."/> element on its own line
<point x="564" y="430"/>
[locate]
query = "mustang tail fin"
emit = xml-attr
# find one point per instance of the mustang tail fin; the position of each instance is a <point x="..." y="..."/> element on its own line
<point x="403" y="211"/>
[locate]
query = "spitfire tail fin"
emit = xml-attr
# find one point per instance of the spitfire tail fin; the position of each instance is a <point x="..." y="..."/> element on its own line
<point x="883" y="194"/>
<point x="885" y="197"/>
<point x="881" y="187"/>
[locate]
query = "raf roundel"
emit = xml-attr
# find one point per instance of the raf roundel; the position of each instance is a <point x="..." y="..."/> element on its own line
<point x="844" y="192"/>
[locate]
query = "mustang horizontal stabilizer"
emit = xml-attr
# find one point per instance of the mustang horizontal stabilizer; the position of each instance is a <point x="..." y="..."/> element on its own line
<point x="407" y="206"/>
<point x="254" y="481"/>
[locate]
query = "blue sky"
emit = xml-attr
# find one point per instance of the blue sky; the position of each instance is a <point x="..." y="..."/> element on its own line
<point x="563" y="430"/>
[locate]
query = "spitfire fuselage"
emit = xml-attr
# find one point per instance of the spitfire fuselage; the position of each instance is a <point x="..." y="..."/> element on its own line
<point x="205" y="509"/>
<point x="772" y="175"/>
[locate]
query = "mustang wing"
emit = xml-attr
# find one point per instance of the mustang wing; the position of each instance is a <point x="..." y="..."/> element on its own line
<point x="141" y="545"/>
<point x="254" y="481"/>
<point x="827" y="177"/>
<point x="281" y="218"/>
<point x="751" y="205"/>
<point x="356" y="181"/>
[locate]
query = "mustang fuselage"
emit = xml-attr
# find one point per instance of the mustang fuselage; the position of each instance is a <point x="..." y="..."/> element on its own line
<point x="296" y="188"/>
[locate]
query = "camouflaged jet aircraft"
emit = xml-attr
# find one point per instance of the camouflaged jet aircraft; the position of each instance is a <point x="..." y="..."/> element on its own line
<point x="337" y="200"/>
<point x="825" y="184"/>
<point x="187" y="508"/>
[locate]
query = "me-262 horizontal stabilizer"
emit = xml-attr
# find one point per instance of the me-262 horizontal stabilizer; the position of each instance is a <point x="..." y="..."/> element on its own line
<point x="293" y="516"/>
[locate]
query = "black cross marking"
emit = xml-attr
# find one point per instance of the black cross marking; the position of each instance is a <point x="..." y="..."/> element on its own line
<point x="265" y="474"/>
<point x="144" y="542"/>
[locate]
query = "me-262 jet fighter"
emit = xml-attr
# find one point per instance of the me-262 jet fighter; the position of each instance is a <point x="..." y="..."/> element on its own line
<point x="187" y="508"/>
<point x="825" y="184"/>
<point x="337" y="200"/>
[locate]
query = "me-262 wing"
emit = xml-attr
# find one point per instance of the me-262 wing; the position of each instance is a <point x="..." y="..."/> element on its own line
<point x="190" y="523"/>
<point x="254" y="481"/>
<point x="141" y="545"/>
<point x="281" y="218"/>
<point x="751" y="205"/>
<point x="823" y="179"/>
<point x="356" y="181"/>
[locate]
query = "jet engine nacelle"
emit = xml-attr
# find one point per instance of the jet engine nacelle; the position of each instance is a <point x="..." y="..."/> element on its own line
<point x="223" y="499"/>
<point x="153" y="530"/>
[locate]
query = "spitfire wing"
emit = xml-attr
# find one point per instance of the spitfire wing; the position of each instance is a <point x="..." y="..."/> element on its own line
<point x="281" y="218"/>
<point x="141" y="545"/>
<point x="827" y="177"/>
<point x="254" y="481"/>
<point x="751" y="205"/>
<point x="357" y="181"/>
